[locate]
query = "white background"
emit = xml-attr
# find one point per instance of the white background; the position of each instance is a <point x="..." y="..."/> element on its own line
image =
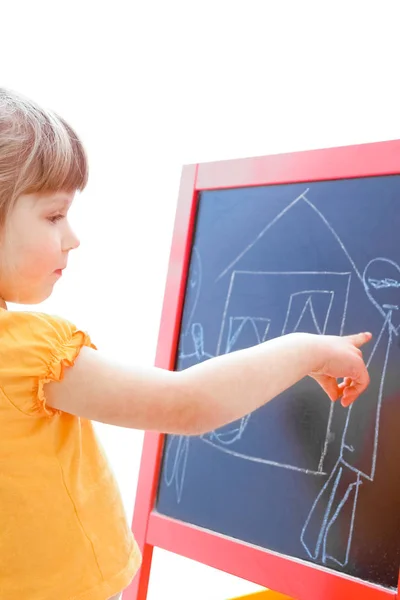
<point x="151" y="85"/>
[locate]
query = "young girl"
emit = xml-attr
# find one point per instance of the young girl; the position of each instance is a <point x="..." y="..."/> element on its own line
<point x="64" y="533"/>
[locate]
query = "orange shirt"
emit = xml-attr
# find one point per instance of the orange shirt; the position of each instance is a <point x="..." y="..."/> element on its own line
<point x="63" y="529"/>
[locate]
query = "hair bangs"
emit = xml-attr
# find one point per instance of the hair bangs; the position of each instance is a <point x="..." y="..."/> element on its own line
<point x="57" y="159"/>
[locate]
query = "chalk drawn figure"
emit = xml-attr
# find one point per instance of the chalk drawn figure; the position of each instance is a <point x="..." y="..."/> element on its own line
<point x="336" y="504"/>
<point x="191" y="301"/>
<point x="191" y="351"/>
<point x="198" y="353"/>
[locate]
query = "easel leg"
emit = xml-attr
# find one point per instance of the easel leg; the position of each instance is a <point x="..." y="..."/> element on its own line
<point x="139" y="586"/>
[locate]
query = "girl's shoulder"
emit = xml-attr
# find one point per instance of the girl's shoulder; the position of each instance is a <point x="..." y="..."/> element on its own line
<point x="33" y="332"/>
<point x="34" y="348"/>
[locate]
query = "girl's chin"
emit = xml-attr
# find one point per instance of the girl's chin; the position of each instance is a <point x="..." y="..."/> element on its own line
<point x="29" y="297"/>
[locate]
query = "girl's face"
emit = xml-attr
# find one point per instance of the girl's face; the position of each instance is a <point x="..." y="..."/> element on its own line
<point x="35" y="246"/>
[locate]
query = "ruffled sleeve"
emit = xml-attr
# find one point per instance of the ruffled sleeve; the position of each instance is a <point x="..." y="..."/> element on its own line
<point x="36" y="349"/>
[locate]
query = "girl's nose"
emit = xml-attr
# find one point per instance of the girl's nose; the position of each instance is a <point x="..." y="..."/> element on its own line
<point x="71" y="241"/>
<point x="76" y="242"/>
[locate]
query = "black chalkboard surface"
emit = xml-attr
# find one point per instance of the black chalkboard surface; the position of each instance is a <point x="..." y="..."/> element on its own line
<point x="301" y="476"/>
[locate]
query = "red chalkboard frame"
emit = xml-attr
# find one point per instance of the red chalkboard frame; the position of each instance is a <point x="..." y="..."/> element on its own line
<point x="298" y="579"/>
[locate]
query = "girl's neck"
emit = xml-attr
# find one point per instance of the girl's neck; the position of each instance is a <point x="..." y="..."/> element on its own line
<point x="3" y="304"/>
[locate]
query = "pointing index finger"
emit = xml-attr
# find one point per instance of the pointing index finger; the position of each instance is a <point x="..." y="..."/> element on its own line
<point x="359" y="339"/>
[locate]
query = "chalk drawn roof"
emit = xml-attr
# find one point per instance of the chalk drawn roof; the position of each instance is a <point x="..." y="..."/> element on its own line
<point x="301" y="199"/>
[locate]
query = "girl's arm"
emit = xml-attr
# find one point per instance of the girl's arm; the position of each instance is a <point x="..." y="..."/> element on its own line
<point x="213" y="393"/>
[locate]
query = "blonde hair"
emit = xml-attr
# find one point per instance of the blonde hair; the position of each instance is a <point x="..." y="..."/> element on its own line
<point x="39" y="152"/>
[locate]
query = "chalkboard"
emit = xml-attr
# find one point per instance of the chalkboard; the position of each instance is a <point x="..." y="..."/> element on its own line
<point x="301" y="476"/>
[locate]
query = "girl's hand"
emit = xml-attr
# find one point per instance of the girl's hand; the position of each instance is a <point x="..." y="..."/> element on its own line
<point x="341" y="358"/>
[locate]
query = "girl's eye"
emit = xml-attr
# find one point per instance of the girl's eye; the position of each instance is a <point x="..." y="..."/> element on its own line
<point x="56" y="218"/>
